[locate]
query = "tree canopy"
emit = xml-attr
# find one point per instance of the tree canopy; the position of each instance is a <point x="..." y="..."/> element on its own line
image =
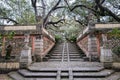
<point x="45" y="11"/>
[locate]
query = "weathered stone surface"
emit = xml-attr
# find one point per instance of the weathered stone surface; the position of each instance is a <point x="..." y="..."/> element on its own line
<point x="107" y="65"/>
<point x="25" y="58"/>
<point x="116" y="65"/>
<point x="100" y="74"/>
<point x="106" y="55"/>
<point x="65" y="65"/>
<point x="27" y="73"/>
<point x="8" y="66"/>
<point x="16" y="76"/>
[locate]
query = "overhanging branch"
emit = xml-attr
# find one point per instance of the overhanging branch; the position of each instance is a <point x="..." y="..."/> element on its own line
<point x="9" y="19"/>
<point x="56" y="22"/>
<point x="54" y="8"/>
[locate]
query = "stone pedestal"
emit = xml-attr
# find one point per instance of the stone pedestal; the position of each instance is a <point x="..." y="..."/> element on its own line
<point x="25" y="57"/>
<point x="106" y="57"/>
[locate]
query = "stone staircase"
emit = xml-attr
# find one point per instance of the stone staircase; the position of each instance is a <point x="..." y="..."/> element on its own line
<point x="70" y="51"/>
<point x="62" y="72"/>
<point x="64" y="62"/>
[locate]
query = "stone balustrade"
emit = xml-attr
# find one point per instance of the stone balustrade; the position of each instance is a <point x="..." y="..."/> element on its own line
<point x="43" y="45"/>
<point x="8" y="66"/>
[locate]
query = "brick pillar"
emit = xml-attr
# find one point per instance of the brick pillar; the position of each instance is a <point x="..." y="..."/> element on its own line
<point x="92" y="47"/>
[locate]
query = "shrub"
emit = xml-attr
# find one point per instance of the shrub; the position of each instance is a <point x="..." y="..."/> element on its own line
<point x="72" y="38"/>
<point x="57" y="38"/>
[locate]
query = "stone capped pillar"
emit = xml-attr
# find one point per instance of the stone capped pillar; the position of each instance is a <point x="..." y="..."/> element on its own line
<point x="25" y="55"/>
<point x="106" y="56"/>
<point x="92" y="47"/>
<point x="39" y="47"/>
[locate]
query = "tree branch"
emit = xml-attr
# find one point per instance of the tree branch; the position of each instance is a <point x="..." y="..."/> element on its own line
<point x="79" y="21"/>
<point x="9" y="19"/>
<point x="109" y="12"/>
<point x="102" y="1"/>
<point x="35" y="8"/>
<point x="54" y="8"/>
<point x="101" y="12"/>
<point x="84" y="7"/>
<point x="67" y="4"/>
<point x="53" y="23"/>
<point x="59" y="7"/>
<point x="43" y="5"/>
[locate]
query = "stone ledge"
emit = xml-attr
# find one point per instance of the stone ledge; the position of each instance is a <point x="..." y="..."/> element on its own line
<point x="116" y="66"/>
<point x="6" y="67"/>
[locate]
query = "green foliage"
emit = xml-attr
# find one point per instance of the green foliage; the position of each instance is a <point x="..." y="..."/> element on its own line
<point x="115" y="33"/>
<point x="19" y="10"/>
<point x="58" y="38"/>
<point x="116" y="50"/>
<point x="0" y="36"/>
<point x="10" y="35"/>
<point x="72" y="38"/>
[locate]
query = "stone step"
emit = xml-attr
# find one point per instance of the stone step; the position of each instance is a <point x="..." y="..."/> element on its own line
<point x="57" y="52"/>
<point x="75" y="56"/>
<point x="66" y="54"/>
<point x="55" y="55"/>
<point x="64" y="76"/>
<point x="103" y="73"/>
<point x="76" y="60"/>
<point x="59" y="57"/>
<point x="15" y="76"/>
<point x="89" y="79"/>
<point x="54" y="59"/>
<point x="74" y="69"/>
<point x="27" y="73"/>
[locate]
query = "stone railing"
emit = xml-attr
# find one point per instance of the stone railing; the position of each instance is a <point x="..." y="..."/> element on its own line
<point x="87" y="41"/>
<point x="83" y="44"/>
<point x="43" y="45"/>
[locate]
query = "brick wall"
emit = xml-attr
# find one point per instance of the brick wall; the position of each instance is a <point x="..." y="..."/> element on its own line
<point x="17" y="45"/>
<point x="90" y="45"/>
